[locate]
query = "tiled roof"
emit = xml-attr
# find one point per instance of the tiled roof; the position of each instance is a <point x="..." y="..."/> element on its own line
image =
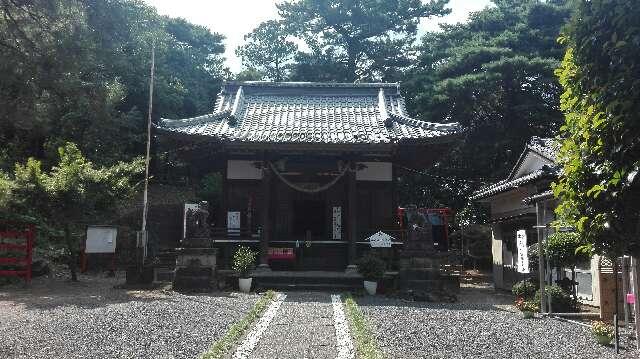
<point x="303" y="112"/>
<point x="538" y="197"/>
<point x="505" y="185"/>
<point x="546" y="147"/>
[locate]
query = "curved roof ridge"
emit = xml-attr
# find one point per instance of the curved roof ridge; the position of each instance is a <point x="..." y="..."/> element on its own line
<point x="183" y="122"/>
<point x="314" y="84"/>
<point x="426" y="125"/>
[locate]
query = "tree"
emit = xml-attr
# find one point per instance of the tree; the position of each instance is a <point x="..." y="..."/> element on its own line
<point x="370" y="38"/>
<point x="79" y="70"/>
<point x="599" y="188"/>
<point x="69" y="195"/>
<point x="267" y="50"/>
<point x="495" y="76"/>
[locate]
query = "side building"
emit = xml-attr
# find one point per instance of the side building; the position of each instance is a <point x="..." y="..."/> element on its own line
<point x="524" y="201"/>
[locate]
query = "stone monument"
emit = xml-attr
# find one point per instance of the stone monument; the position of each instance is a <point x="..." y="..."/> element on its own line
<point x="196" y="258"/>
<point x="420" y="277"/>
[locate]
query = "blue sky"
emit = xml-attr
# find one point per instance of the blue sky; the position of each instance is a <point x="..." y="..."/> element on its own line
<point x="236" y="18"/>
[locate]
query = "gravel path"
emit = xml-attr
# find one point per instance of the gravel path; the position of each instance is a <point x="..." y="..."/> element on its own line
<point x="472" y="329"/>
<point x="59" y="319"/>
<point x="303" y="328"/>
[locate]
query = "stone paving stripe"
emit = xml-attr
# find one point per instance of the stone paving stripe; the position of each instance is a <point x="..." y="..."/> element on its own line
<point x="252" y="339"/>
<point x="343" y="338"/>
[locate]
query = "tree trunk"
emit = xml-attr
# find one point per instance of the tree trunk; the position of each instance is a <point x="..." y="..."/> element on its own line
<point x="72" y="257"/>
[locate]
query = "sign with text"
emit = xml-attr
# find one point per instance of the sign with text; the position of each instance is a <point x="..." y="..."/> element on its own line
<point x="233" y="223"/>
<point x="101" y="239"/>
<point x="523" y="255"/>
<point x="337" y="223"/>
<point x="380" y="240"/>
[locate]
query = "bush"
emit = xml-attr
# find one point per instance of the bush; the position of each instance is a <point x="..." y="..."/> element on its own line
<point x="371" y="267"/>
<point x="525" y="289"/>
<point x="526" y="306"/>
<point x="243" y="261"/>
<point x="602" y="329"/>
<point x="561" y="301"/>
<point x="561" y="248"/>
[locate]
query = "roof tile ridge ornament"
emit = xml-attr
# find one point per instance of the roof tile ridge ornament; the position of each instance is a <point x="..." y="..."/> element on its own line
<point x="191" y="121"/>
<point x="382" y="107"/>
<point x="233" y="117"/>
<point x="446" y="127"/>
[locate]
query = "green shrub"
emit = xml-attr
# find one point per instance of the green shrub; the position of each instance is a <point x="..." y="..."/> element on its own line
<point x="524" y="289"/>
<point x="243" y="261"/>
<point x="561" y="301"/>
<point x="371" y="267"/>
<point x="562" y="249"/>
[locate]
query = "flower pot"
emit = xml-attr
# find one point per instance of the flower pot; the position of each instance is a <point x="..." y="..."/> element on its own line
<point x="527" y="314"/>
<point x="244" y="284"/>
<point x="603" y="339"/>
<point x="370" y="287"/>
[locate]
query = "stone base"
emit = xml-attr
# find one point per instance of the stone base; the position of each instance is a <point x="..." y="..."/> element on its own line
<point x="193" y="279"/>
<point x="195" y="269"/>
<point x="261" y="268"/>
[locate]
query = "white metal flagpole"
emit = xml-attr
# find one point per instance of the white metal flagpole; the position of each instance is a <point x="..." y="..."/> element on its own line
<point x="142" y="241"/>
<point x="146" y="169"/>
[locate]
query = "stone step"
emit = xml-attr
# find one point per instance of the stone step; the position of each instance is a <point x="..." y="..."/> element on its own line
<point x="419" y="273"/>
<point x="309" y="286"/>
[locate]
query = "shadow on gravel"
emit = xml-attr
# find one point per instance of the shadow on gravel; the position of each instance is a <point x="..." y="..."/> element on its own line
<point x="91" y="291"/>
<point x="471" y="297"/>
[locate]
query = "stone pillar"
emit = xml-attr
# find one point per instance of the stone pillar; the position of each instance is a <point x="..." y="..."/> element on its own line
<point x="352" y="204"/>
<point x="265" y="236"/>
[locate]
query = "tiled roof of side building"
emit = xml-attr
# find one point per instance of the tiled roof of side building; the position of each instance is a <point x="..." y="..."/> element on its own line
<point x="505" y="185"/>
<point x="547" y="147"/>
<point x="303" y="112"/>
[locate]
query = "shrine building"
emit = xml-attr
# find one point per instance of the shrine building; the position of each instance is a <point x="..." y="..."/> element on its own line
<point x="308" y="169"/>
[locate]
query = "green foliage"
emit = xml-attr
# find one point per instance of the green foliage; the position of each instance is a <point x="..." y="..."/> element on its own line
<point x="78" y="71"/>
<point x="525" y="289"/>
<point x="63" y="199"/>
<point x="603" y="329"/>
<point x="363" y="336"/>
<point x="220" y="349"/>
<point x="371" y="39"/>
<point x="561" y="249"/>
<point x="526" y="306"/>
<point x="268" y="50"/>
<point x="243" y="260"/>
<point x="495" y="76"/>
<point x="371" y="267"/>
<point x="210" y="188"/>
<point x="600" y="154"/>
<point x="561" y="301"/>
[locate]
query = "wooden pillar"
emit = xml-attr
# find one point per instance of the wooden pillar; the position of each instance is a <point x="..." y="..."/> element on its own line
<point x="352" y="216"/>
<point x="636" y="290"/>
<point x="265" y="236"/>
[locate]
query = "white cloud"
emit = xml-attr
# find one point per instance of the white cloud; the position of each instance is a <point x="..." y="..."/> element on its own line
<point x="235" y="18"/>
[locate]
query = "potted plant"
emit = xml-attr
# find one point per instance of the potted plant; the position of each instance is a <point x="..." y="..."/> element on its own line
<point x="602" y="331"/>
<point x="372" y="270"/>
<point x="527" y="308"/>
<point x="242" y="262"/>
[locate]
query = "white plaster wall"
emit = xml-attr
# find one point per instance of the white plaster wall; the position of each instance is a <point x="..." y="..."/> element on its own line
<point x="237" y="169"/>
<point x="375" y="171"/>
<point x="510" y="202"/>
<point x="496" y="252"/>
